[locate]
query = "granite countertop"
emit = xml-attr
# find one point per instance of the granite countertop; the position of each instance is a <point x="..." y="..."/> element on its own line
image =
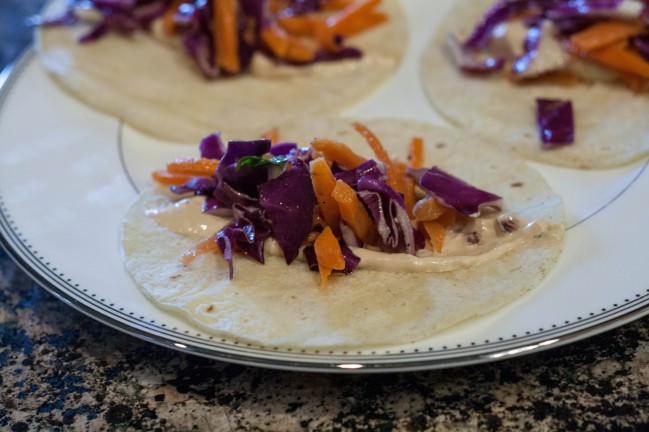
<point x="60" y="370"/>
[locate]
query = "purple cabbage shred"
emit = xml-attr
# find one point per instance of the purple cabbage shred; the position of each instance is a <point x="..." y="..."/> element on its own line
<point x="289" y="202"/>
<point x="456" y="193"/>
<point x="555" y="122"/>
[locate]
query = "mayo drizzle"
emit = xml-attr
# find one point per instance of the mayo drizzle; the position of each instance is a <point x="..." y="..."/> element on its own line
<point x="186" y="218"/>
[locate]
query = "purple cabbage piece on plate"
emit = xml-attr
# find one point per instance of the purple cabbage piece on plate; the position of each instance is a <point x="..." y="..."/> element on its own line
<point x="555" y="121"/>
<point x="289" y="202"/>
<point x="456" y="193"/>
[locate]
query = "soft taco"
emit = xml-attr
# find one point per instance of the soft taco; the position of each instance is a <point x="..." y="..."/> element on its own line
<point x="559" y="82"/>
<point x="272" y="60"/>
<point x="344" y="244"/>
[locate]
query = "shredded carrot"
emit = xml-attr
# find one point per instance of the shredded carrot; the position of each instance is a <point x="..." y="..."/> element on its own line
<point x="226" y="34"/>
<point x="635" y="83"/>
<point x="337" y="152"/>
<point x="605" y="33"/>
<point x="287" y="47"/>
<point x="428" y="209"/>
<point x="301" y="50"/>
<point x="399" y="180"/>
<point x="168" y="23"/>
<point x="324" y="183"/>
<point x="298" y="25"/>
<point x="272" y="135"/>
<point x="374" y="143"/>
<point x="326" y="37"/>
<point x="276" y="6"/>
<point x="328" y="254"/>
<point x="344" y="19"/>
<point x="393" y="171"/>
<point x="618" y="57"/>
<point x="193" y="166"/>
<point x="448" y="218"/>
<point x="166" y="178"/>
<point x="436" y="234"/>
<point x="436" y="229"/>
<point x="353" y="212"/>
<point x="416" y="153"/>
<point x="363" y="23"/>
<point x="335" y="4"/>
<point x="409" y="194"/>
<point x="276" y="39"/>
<point x="205" y="246"/>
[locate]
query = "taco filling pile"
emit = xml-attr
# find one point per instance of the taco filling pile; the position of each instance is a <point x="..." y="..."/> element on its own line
<point x="266" y="61"/>
<point x="411" y="244"/>
<point x="323" y="200"/>
<point x="556" y="81"/>
<point x="560" y="41"/>
<point x="221" y="36"/>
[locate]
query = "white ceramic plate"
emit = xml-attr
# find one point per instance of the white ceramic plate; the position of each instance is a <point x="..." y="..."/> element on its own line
<point x="68" y="174"/>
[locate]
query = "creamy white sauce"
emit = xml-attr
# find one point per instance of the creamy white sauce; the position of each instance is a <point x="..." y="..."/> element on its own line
<point x="186" y="218"/>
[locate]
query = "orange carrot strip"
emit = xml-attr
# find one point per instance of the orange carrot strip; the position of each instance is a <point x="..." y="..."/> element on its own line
<point x="437" y="228"/>
<point x="324" y="183"/>
<point x="226" y="35"/>
<point x="328" y="254"/>
<point x="604" y="33"/>
<point x="344" y="19"/>
<point x="168" y="23"/>
<point x="276" y="39"/>
<point x="635" y="83"/>
<point x="428" y="209"/>
<point x="618" y="57"/>
<point x="337" y="152"/>
<point x="448" y="218"/>
<point x="436" y="234"/>
<point x="272" y="135"/>
<point x="193" y="167"/>
<point x="335" y="4"/>
<point x="408" y="194"/>
<point x="205" y="246"/>
<point x="416" y="153"/>
<point x="392" y="171"/>
<point x="326" y="38"/>
<point x="301" y="50"/>
<point x="168" y="179"/>
<point x="276" y="6"/>
<point x="353" y="212"/>
<point x="285" y="46"/>
<point x="298" y="25"/>
<point x="399" y="180"/>
<point x="363" y="23"/>
<point x="374" y="143"/>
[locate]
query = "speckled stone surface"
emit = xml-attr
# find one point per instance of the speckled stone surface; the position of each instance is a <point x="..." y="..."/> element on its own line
<point x="60" y="370"/>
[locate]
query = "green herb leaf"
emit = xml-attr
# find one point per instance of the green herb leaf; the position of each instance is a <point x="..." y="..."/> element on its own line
<point x="258" y="161"/>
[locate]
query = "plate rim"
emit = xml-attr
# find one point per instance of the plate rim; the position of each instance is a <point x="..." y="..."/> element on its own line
<point x="18" y="250"/>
